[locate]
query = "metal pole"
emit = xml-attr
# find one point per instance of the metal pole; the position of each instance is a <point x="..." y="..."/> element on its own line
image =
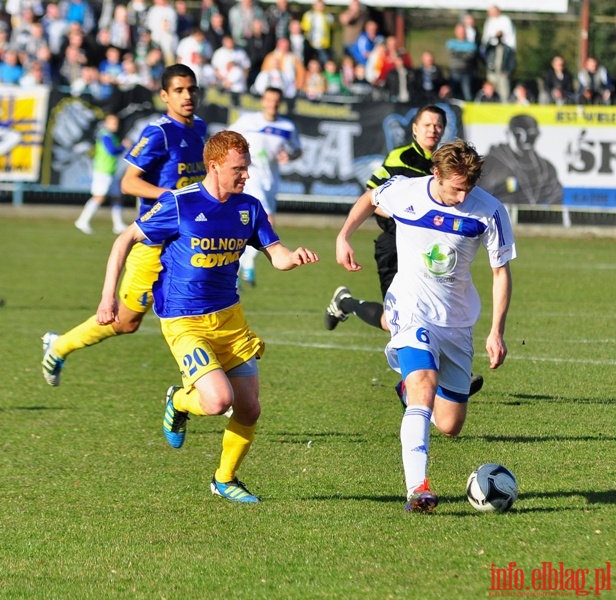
<point x="584" y="31"/>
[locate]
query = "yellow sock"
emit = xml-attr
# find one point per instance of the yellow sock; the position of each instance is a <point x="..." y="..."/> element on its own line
<point x="236" y="442"/>
<point x="86" y="334"/>
<point x="188" y="402"/>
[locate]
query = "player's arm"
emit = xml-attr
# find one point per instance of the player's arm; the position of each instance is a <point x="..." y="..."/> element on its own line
<point x="501" y="297"/>
<point x="107" y="311"/>
<point x="134" y="184"/>
<point x="284" y="259"/>
<point x="361" y="210"/>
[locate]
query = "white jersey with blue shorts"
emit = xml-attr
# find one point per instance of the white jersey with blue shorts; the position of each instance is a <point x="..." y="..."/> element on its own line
<point x="436" y="246"/>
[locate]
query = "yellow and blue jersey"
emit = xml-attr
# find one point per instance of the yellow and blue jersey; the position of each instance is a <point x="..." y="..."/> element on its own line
<point x="170" y="154"/>
<point x="203" y="240"/>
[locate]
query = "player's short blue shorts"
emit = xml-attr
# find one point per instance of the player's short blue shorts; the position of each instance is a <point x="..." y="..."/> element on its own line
<point x="220" y="340"/>
<point x="140" y="273"/>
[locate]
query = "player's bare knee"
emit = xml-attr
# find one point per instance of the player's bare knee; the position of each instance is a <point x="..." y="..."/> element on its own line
<point x="451" y="429"/>
<point x="215" y="404"/>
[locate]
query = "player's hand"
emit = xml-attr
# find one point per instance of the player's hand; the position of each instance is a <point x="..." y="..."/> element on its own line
<point x="497" y="350"/>
<point x="107" y="312"/>
<point x="345" y="255"/>
<point x="282" y="157"/>
<point x="303" y="256"/>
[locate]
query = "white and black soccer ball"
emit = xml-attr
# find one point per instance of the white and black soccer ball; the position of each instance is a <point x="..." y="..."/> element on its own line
<point x="492" y="487"/>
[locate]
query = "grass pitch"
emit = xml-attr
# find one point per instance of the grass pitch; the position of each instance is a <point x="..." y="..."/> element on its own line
<point x="96" y="505"/>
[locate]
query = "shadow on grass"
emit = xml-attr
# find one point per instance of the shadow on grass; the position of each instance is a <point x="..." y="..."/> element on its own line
<point x="592" y="497"/>
<point x="545" y="398"/>
<point x="287" y="437"/>
<point x="38" y="408"/>
<point x="533" y="439"/>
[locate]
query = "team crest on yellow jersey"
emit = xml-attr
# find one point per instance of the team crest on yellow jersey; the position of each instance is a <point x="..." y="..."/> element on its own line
<point x="244" y="217"/>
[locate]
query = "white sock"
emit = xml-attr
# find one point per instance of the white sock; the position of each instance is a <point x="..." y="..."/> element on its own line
<point x="247" y="260"/>
<point x="116" y="216"/>
<point x="415" y="438"/>
<point x="90" y="208"/>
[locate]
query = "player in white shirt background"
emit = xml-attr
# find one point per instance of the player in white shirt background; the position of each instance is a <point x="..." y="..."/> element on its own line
<point x="432" y="305"/>
<point x="274" y="141"/>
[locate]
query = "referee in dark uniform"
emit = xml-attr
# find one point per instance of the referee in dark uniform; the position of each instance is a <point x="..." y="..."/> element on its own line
<point x="413" y="160"/>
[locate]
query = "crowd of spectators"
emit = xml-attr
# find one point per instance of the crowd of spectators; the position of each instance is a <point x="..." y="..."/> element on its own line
<point x="97" y="46"/>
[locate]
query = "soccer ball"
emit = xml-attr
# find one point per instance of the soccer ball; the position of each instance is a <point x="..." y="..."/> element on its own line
<point x="492" y="487"/>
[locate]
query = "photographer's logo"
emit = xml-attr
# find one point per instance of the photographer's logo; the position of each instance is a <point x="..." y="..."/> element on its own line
<point x="549" y="579"/>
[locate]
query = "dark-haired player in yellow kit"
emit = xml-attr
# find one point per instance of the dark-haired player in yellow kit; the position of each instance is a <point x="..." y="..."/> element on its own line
<point x="167" y="156"/>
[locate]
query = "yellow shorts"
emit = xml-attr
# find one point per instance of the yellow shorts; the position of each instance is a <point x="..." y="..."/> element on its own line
<point x="207" y="342"/>
<point x="141" y="271"/>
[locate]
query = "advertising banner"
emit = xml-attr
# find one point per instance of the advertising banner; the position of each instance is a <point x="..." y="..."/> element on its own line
<point x="545" y="155"/>
<point x="23" y="114"/>
<point x="71" y="133"/>
<point x="342" y="143"/>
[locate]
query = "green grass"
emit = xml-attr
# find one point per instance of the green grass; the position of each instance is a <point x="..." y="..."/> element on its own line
<point x="95" y="505"/>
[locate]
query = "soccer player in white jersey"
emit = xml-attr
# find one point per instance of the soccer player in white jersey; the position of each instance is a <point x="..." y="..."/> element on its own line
<point x="273" y="141"/>
<point x="431" y="306"/>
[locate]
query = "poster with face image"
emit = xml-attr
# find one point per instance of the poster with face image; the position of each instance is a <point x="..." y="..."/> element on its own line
<point x="546" y="155"/>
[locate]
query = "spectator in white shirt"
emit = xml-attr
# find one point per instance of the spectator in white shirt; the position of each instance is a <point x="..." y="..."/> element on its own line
<point x="496" y="22"/>
<point x="227" y="53"/>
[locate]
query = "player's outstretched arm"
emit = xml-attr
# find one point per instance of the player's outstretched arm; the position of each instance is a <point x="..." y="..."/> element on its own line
<point x="284" y="259"/>
<point x="107" y="311"/>
<point x="362" y="209"/>
<point x="501" y="297"/>
<point x="133" y="184"/>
